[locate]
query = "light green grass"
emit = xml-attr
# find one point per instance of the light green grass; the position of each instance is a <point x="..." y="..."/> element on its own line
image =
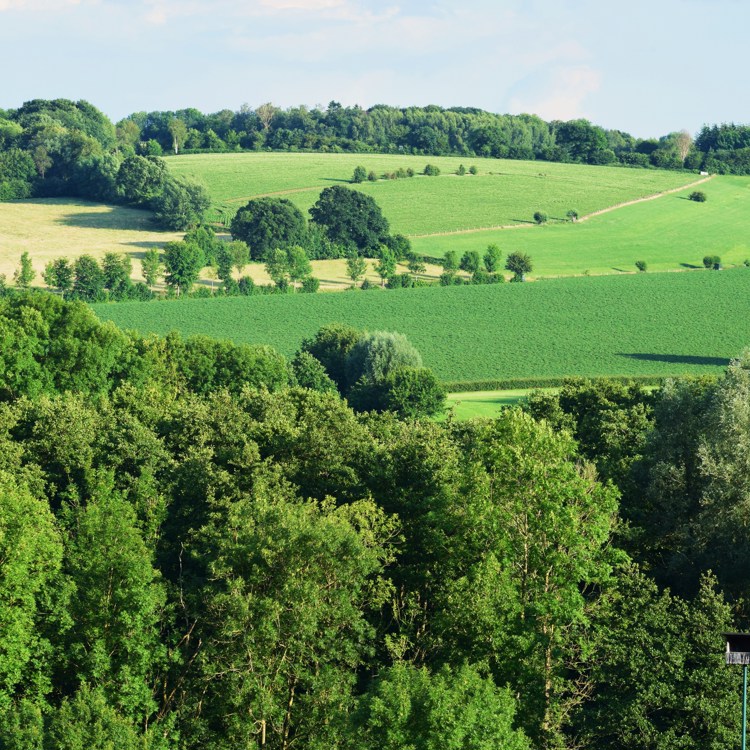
<point x="503" y="192"/>
<point x="481" y="403"/>
<point x="647" y="324"/>
<point x="669" y="233"/>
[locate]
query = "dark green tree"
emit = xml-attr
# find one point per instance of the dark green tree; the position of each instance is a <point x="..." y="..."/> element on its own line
<point x="492" y="258"/>
<point x="88" y="283"/>
<point x="470" y="261"/>
<point x="116" y="270"/>
<point x="266" y="224"/>
<point x="58" y="274"/>
<point x="519" y="264"/>
<point x="181" y="204"/>
<point x="350" y="218"/>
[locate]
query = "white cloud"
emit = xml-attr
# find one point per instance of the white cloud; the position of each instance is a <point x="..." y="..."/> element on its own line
<point x="563" y="95"/>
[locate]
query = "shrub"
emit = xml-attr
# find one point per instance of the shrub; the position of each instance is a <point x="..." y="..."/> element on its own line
<point x="360" y="175"/>
<point x="431" y="170"/>
<point x="540" y="217"/>
<point x="461" y="171"/>
<point x="519" y="264"/>
<point x="572" y="215"/>
<point x="371" y="176"/>
<point x="310" y="285"/>
<point x="310" y="373"/>
<point x="492" y="258"/>
<point x="473" y="169"/>
<point x="407" y="391"/>
<point x="400" y="281"/>
<point x="712" y="261"/>
<point x="409" y="172"/>
<point x="698" y="196"/>
<point x="641" y="265"/>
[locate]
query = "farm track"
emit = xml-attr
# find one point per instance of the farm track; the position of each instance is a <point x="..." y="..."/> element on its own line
<point x="580" y="219"/>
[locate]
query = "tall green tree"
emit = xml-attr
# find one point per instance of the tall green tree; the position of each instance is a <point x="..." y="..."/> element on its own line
<point x="356" y="266"/>
<point x="151" y="266"/>
<point x="183" y="262"/>
<point x="350" y="218"/>
<point x="58" y="273"/>
<point x="25" y="273"/>
<point x="88" y="283"/>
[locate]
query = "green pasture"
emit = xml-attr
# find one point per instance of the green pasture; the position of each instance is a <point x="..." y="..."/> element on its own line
<point x="629" y="325"/>
<point x="669" y="233"/>
<point x="481" y="403"/>
<point x="504" y="192"/>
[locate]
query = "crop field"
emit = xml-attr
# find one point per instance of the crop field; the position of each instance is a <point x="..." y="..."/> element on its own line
<point x="668" y="233"/>
<point x="634" y="325"/>
<point x="57" y="227"/>
<point x="504" y="192"/>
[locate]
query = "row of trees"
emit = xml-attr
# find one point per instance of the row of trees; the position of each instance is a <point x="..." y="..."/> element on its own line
<point x="196" y="552"/>
<point x="64" y="148"/>
<point x="422" y="130"/>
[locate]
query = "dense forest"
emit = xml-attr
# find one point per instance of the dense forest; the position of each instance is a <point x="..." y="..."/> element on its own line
<point x="203" y="545"/>
<point x="64" y="148"/>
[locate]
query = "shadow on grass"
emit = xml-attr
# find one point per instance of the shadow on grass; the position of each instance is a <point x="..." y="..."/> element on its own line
<point x="678" y="359"/>
<point x="523" y="221"/>
<point x="334" y="179"/>
<point x="690" y="265"/>
<point x="110" y="219"/>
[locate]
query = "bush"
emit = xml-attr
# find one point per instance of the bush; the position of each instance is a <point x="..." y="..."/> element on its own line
<point x="461" y="171"/>
<point x="400" y="281"/>
<point x="371" y="176"/>
<point x="310" y="373"/>
<point x="712" y="261"/>
<point x="409" y="172"/>
<point x="470" y="261"/>
<point x="641" y="265"/>
<point x="431" y="170"/>
<point x="360" y="175"/>
<point x="473" y="169"/>
<point x="407" y="391"/>
<point x="540" y="217"/>
<point x="310" y="285"/>
<point x="698" y="196"/>
<point x="572" y="215"/>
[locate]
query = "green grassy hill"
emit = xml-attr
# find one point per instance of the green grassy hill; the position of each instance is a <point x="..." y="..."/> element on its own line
<point x="647" y="324"/>
<point x="504" y="192"/>
<point x="668" y="233"/>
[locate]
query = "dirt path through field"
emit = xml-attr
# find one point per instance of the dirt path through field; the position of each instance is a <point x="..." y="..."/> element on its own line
<point x="580" y="218"/>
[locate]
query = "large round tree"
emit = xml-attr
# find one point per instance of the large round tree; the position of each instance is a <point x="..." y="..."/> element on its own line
<point x="266" y="224"/>
<point x="351" y="218"/>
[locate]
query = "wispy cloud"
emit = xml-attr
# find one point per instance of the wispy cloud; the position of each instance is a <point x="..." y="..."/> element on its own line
<point x="563" y="96"/>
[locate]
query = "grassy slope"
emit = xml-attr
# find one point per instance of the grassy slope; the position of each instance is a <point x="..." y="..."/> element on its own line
<point x="481" y="403"/>
<point x="647" y="324"/>
<point x="503" y="192"/>
<point x="667" y="233"/>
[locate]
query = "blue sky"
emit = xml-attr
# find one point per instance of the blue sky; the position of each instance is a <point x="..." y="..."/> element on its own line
<point x="647" y="67"/>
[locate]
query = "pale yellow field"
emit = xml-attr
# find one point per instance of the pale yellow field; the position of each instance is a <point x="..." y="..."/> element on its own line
<point x="54" y="228"/>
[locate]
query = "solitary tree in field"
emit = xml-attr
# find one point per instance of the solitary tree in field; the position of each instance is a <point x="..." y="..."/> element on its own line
<point x="641" y="265"/>
<point x="540" y="217"/>
<point x="356" y="266"/>
<point x="572" y="215"/>
<point x="519" y="264"/>
<point x="360" y="174"/>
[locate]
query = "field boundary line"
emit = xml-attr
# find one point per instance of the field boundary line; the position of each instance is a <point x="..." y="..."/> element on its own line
<point x="601" y="211"/>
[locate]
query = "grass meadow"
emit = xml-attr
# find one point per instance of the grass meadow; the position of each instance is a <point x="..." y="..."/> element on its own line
<point x="634" y="325"/>
<point x="503" y="192"/>
<point x="669" y="233"/>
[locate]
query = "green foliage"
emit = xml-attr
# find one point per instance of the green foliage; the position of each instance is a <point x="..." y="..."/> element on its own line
<point x="360" y="175"/>
<point x="641" y="265"/>
<point x="492" y="258"/>
<point x="181" y="204"/>
<point x="141" y="179"/>
<point x="331" y="346"/>
<point x="431" y="170"/>
<point x="519" y="264"/>
<point x="183" y="262"/>
<point x="58" y="273"/>
<point x="151" y="266"/>
<point x="25" y="273"/>
<point x="572" y="215"/>
<point x="88" y="281"/>
<point x="386" y="265"/>
<point x="374" y="355"/>
<point x="454" y="709"/>
<point x="116" y="270"/>
<point x="461" y="171"/>
<point x="310" y="285"/>
<point x="540" y="217"/>
<point x="266" y="224"/>
<point x="291" y="264"/>
<point x="473" y="169"/>
<point x="356" y="266"/>
<point x="470" y="261"/>
<point x="712" y="261"/>
<point x="350" y="218"/>
<point x="407" y="391"/>
<point x="698" y="196"/>
<point x="310" y="373"/>
<point x="450" y="261"/>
